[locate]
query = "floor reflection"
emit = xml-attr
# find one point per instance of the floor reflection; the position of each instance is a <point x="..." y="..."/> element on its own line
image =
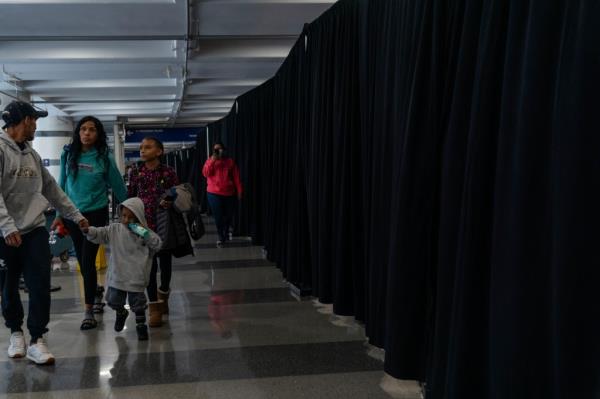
<point x="222" y="312"/>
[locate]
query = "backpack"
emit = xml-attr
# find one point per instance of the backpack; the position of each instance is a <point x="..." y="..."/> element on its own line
<point x="187" y="203"/>
<point x="184" y="200"/>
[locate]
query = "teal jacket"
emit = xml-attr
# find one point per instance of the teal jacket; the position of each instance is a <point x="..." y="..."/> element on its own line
<point x="89" y="190"/>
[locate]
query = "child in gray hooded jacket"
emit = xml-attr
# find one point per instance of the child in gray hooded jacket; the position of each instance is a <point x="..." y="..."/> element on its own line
<point x="132" y="246"/>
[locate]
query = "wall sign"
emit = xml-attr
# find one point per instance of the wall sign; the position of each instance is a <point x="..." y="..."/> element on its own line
<point x="166" y="135"/>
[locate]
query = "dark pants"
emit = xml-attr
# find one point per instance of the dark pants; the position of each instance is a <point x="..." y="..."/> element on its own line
<point x="166" y="266"/>
<point x="32" y="259"/>
<point x="87" y="251"/>
<point x="116" y="300"/>
<point x="137" y="302"/>
<point x="223" y="209"/>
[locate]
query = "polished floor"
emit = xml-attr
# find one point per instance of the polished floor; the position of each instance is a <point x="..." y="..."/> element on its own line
<point x="234" y="331"/>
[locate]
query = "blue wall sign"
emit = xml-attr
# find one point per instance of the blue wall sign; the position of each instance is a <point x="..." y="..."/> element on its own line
<point x="166" y="135"/>
<point x="132" y="154"/>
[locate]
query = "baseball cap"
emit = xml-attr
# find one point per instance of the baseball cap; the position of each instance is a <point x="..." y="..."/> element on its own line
<point x="16" y="111"/>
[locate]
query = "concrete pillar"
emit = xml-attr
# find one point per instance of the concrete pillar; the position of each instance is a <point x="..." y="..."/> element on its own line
<point x="50" y="138"/>
<point x="119" y="149"/>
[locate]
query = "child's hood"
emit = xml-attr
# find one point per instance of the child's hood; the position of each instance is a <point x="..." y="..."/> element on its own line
<point x="136" y="206"/>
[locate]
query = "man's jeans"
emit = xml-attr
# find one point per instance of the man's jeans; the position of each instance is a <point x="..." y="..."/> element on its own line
<point x="33" y="260"/>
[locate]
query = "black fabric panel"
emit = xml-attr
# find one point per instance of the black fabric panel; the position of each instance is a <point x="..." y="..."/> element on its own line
<point x="462" y="32"/>
<point x="395" y="221"/>
<point x="413" y="174"/>
<point x="335" y="121"/>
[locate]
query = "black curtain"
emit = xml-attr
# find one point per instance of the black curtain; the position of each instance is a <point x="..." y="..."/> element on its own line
<point x="333" y="168"/>
<point x="512" y="305"/>
<point x="429" y="167"/>
<point x="195" y="161"/>
<point x="402" y="139"/>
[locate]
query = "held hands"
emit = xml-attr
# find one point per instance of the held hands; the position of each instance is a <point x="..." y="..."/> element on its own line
<point x="84" y="225"/>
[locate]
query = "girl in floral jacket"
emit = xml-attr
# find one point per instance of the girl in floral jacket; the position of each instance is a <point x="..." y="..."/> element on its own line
<point x="149" y="182"/>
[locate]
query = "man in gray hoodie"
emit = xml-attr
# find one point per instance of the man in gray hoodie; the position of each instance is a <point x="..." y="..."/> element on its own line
<point x="26" y="187"/>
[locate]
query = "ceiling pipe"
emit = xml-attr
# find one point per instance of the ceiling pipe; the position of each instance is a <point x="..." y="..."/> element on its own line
<point x="10" y="95"/>
<point x="89" y="38"/>
<point x="141" y="100"/>
<point x="184" y="76"/>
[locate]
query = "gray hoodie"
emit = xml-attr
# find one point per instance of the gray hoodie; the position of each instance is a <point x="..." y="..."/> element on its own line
<point x="130" y="255"/>
<point x="26" y="188"/>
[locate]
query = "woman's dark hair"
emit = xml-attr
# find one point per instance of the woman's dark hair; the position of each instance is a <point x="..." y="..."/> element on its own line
<point x="76" y="147"/>
<point x="219" y="143"/>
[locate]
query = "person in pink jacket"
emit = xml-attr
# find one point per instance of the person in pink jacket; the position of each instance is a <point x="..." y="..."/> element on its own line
<point x="224" y="189"/>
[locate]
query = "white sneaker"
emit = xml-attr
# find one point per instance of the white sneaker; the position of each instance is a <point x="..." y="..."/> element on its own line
<point x="39" y="353"/>
<point x="16" y="349"/>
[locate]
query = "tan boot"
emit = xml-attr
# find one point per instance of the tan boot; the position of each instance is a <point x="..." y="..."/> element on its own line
<point x="155" y="310"/>
<point x="164" y="297"/>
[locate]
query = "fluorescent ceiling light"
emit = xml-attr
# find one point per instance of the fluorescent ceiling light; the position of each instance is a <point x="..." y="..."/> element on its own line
<point x="99" y="83"/>
<point x="59" y="2"/>
<point x="147" y="120"/>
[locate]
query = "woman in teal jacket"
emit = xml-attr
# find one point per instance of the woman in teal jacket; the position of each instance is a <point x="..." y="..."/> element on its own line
<point x="88" y="169"/>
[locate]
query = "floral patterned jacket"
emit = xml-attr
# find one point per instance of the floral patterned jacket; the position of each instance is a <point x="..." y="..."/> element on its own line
<point x="149" y="185"/>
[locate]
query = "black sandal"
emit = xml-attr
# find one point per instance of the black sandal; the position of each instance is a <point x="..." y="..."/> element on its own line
<point x="88" y="324"/>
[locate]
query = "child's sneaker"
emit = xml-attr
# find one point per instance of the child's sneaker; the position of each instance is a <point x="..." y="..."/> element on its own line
<point x="39" y="353"/>
<point x="16" y="349"/>
<point x="120" y="321"/>
<point x="142" y="332"/>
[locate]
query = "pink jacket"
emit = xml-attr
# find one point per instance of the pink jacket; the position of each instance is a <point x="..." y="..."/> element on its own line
<point x="223" y="177"/>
